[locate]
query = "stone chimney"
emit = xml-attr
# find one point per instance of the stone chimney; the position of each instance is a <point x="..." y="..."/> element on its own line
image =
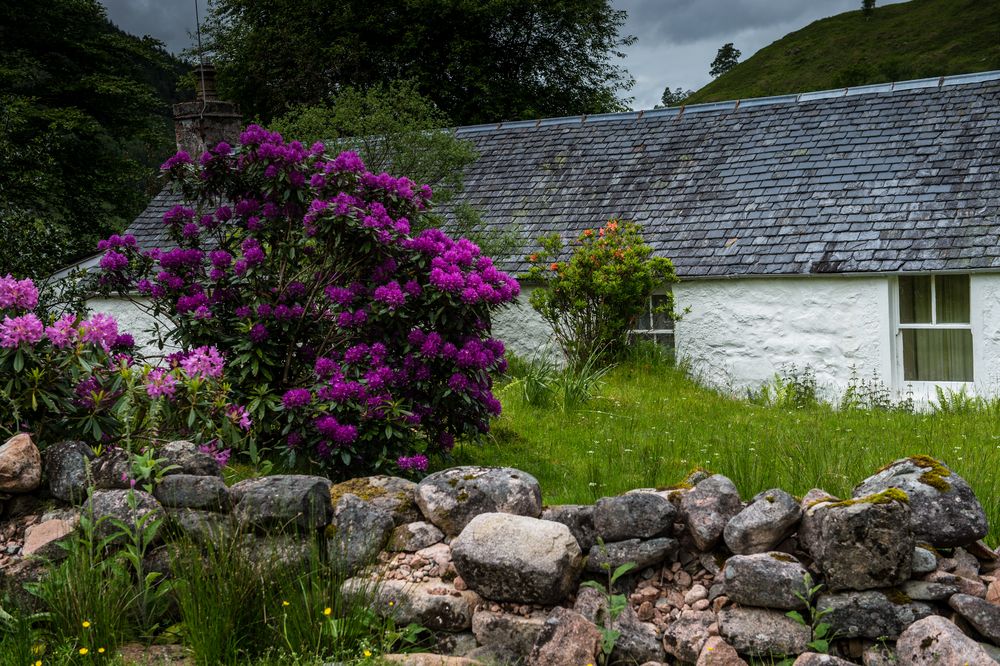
<point x="207" y="120"/>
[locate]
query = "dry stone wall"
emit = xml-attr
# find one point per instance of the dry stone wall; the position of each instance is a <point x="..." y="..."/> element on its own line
<point x="901" y="572"/>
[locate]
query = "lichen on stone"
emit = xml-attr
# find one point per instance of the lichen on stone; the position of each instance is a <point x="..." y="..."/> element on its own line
<point x="936" y="471"/>
<point x="783" y="557"/>
<point x="359" y="487"/>
<point x="885" y="497"/>
<point x="897" y="596"/>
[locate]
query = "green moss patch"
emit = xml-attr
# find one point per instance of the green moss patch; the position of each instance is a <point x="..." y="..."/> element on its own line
<point x="359" y="487"/>
<point x="782" y="557"/>
<point x="934" y="476"/>
<point x="885" y="497"/>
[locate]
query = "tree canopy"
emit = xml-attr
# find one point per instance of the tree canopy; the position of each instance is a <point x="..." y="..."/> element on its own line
<point x="477" y="61"/>
<point x="84" y="115"/>
<point x="727" y="57"/>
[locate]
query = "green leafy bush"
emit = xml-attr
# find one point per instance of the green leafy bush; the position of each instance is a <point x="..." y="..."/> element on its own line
<point x="592" y="299"/>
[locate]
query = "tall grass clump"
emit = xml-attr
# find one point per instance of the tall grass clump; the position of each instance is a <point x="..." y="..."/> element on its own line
<point x="540" y="382"/>
<point x="89" y="596"/>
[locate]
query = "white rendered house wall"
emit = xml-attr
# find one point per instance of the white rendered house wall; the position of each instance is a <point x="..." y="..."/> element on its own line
<point x="134" y="320"/>
<point x="737" y="333"/>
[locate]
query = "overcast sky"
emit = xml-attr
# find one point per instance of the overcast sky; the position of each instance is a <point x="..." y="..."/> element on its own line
<point x="677" y="39"/>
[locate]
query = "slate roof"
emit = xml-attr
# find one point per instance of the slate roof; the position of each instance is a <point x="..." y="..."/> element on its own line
<point x="891" y="178"/>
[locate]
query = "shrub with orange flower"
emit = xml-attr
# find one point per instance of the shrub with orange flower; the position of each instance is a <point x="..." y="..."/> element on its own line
<point x="592" y="297"/>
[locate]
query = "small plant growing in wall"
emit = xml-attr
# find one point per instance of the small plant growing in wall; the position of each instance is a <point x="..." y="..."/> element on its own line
<point x="616" y="602"/>
<point x="592" y="297"/>
<point x="813" y="618"/>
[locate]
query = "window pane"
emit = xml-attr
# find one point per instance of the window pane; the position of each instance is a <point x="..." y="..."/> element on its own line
<point x="661" y="321"/>
<point x="642" y="323"/>
<point x="952" y="299"/>
<point x="915" y="299"/>
<point x="937" y="355"/>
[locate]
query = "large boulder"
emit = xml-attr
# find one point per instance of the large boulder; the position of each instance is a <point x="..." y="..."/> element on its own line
<point x="282" y="502"/>
<point x="634" y="515"/>
<point x="453" y="497"/>
<point x="182" y="457"/>
<point x="870" y="614"/>
<point x="202" y="527"/>
<point x="117" y="511"/>
<point x="579" y="518"/>
<point x="432" y="604"/>
<point x="981" y="614"/>
<point x="769" y="580"/>
<point x="761" y="632"/>
<point x="566" y="639"/>
<point x="944" y="511"/>
<point x="44" y="538"/>
<point x="20" y="465"/>
<point x="66" y="467"/>
<point x="507" y="634"/>
<point x="684" y="638"/>
<point x="358" y="532"/>
<point x="187" y="491"/>
<point x="112" y="470"/>
<point x="763" y="524"/>
<point x="934" y="641"/>
<point x="389" y="493"/>
<point x="638" y="642"/>
<point x="411" y="537"/>
<point x="860" y="544"/>
<point x="506" y="557"/>
<point x="708" y="508"/>
<point x="642" y="553"/>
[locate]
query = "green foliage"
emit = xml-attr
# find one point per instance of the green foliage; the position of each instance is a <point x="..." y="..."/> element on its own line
<point x="592" y="299"/>
<point x="478" y="62"/>
<point x="820" y="631"/>
<point x="89" y="596"/>
<point x="873" y="394"/>
<point x="908" y="40"/>
<point x="540" y="382"/>
<point x="674" y="97"/>
<point x="616" y="602"/>
<point x="867" y="8"/>
<point x="792" y="388"/>
<point x="727" y="57"/>
<point x="951" y="401"/>
<point x="84" y="117"/>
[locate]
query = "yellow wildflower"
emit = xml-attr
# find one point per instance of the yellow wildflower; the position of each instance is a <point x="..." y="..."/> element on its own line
<point x="368" y="653"/>
<point x="86" y="624"/>
<point x="84" y="650"/>
<point x="285" y="603"/>
<point x="327" y="610"/>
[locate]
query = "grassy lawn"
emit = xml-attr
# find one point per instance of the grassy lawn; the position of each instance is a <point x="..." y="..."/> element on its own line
<point x="651" y="425"/>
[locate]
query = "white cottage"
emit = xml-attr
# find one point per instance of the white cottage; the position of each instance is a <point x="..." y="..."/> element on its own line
<point x="852" y="229"/>
<point x="845" y="230"/>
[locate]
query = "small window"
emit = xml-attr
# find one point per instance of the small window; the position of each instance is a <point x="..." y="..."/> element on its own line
<point x="935" y="327"/>
<point x="655" y="323"/>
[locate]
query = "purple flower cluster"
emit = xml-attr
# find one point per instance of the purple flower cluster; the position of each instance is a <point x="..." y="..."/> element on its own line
<point x="295" y="398"/>
<point x="337" y="432"/>
<point x="101" y="330"/>
<point x="416" y="463"/>
<point x="161" y="383"/>
<point x="17" y="294"/>
<point x="203" y="362"/>
<point x="26" y="329"/>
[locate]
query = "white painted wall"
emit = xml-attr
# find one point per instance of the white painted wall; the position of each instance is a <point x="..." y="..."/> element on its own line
<point x="523" y="330"/>
<point x="737" y="334"/>
<point x="984" y="293"/>
<point x="134" y="320"/>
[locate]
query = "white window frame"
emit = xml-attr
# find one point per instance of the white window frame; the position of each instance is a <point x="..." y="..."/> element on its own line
<point x="925" y="389"/>
<point x="653" y="333"/>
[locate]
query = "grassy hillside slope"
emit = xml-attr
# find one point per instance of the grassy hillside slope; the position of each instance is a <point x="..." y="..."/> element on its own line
<point x="909" y="40"/>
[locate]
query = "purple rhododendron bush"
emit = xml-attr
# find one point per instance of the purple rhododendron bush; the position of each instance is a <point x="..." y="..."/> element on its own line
<point x="354" y="339"/>
<point x="70" y="377"/>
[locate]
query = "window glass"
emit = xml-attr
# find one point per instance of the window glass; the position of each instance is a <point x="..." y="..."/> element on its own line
<point x="952" y="295"/>
<point x="642" y="323"/>
<point x="915" y="299"/>
<point x="940" y="355"/>
<point x="661" y="320"/>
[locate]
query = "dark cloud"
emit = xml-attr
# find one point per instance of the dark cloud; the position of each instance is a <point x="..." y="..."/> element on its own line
<point x="169" y="21"/>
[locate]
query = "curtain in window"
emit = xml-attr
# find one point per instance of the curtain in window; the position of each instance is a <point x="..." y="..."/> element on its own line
<point x="937" y="355"/>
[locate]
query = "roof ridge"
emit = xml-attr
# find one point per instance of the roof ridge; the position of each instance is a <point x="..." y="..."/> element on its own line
<point x="936" y="82"/>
